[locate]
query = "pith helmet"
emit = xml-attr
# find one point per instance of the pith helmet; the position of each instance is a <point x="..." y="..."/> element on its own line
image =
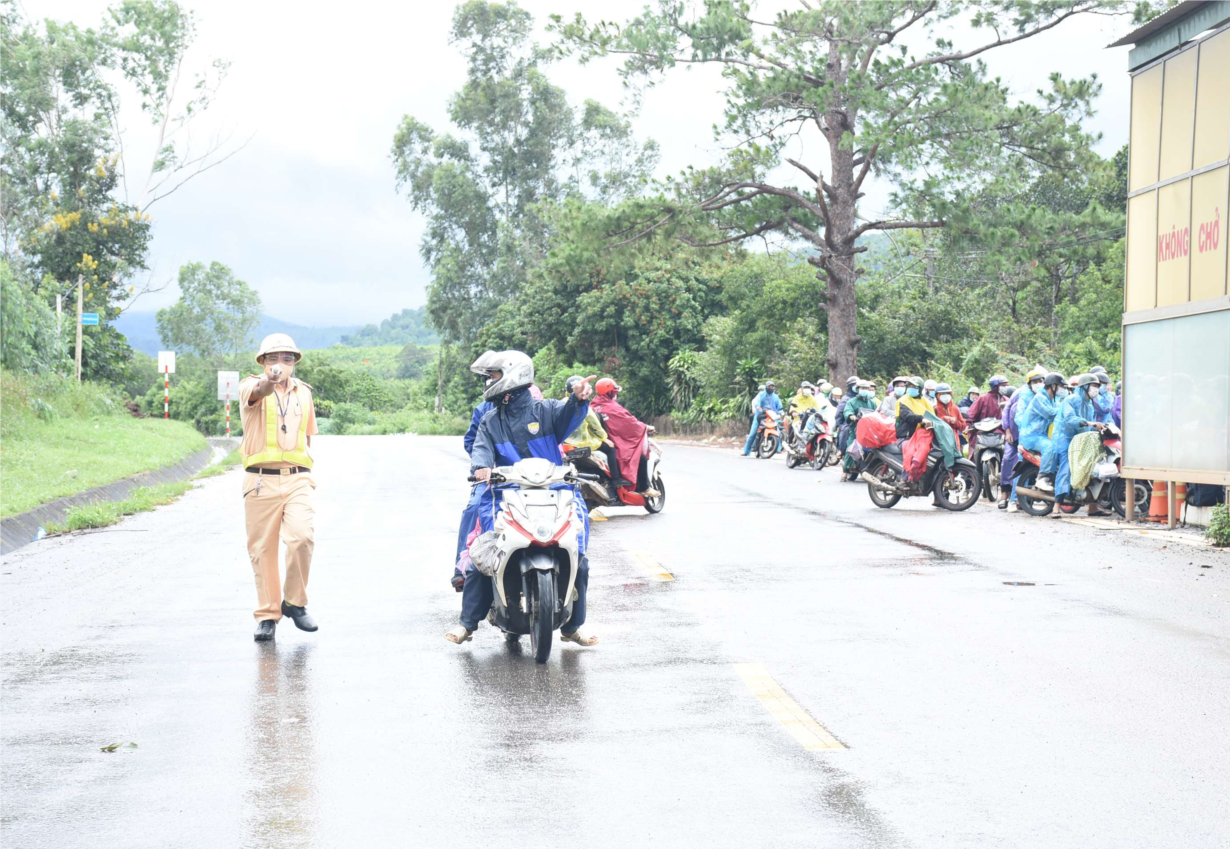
<point x="276" y="343"/>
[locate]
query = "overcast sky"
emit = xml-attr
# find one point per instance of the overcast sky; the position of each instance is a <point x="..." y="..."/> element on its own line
<point x="308" y="213"/>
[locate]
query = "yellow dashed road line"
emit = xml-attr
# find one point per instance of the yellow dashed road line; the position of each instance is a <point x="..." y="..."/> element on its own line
<point x="653" y="567"/>
<point x="786" y="710"/>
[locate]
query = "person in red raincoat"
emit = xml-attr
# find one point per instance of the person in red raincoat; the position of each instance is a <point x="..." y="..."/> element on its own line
<point x="625" y="430"/>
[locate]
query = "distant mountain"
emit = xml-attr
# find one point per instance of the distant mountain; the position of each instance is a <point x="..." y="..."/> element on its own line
<point x="141" y="328"/>
<point x="406" y="326"/>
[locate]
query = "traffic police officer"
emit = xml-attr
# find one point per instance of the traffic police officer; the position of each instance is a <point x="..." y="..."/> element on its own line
<point x="278" y="423"/>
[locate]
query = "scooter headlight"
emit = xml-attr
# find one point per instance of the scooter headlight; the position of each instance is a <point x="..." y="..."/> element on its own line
<point x="543" y="533"/>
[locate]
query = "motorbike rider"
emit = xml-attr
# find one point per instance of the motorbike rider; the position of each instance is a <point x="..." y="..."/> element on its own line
<point x="895" y="392"/>
<point x="1036" y="426"/>
<point x="591" y="434"/>
<point x="1017" y="408"/>
<point x="947" y="410"/>
<point x="627" y="432"/>
<point x="860" y="405"/>
<point x="766" y="400"/>
<point x="520" y="427"/>
<point x="986" y="407"/>
<point x="971" y="396"/>
<point x="1076" y="415"/>
<point x="1104" y="403"/>
<point x="929" y="390"/>
<point x="911" y="408"/>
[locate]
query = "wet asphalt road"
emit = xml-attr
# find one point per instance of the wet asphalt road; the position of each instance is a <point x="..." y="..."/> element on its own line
<point x="1091" y="709"/>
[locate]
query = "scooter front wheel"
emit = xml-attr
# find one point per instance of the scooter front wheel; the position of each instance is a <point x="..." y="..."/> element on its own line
<point x="542" y="616"/>
<point x="769" y="446"/>
<point x="655" y="505"/>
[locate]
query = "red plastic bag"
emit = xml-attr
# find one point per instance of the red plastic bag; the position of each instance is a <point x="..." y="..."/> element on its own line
<point x="914" y="453"/>
<point x="875" y="431"/>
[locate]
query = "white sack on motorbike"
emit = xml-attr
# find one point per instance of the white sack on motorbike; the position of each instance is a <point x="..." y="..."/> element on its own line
<point x="485" y="553"/>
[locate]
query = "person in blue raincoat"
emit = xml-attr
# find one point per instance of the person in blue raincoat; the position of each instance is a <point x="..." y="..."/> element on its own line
<point x="1076" y="415"/>
<point x="1104" y="403"/>
<point x="766" y="400"/>
<point x="1037" y="424"/>
<point x="1014" y="417"/>
<point x="521" y="426"/>
<point x="470" y="514"/>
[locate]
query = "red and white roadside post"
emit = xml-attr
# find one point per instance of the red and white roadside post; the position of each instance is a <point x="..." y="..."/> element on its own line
<point x="166" y="365"/>
<point x="227" y="379"/>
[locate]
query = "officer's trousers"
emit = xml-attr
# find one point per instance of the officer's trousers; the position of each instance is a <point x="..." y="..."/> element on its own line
<point x="279" y="508"/>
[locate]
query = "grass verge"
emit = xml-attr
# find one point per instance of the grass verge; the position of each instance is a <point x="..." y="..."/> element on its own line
<point x="61" y="438"/>
<point x="223" y="466"/>
<point x="105" y="513"/>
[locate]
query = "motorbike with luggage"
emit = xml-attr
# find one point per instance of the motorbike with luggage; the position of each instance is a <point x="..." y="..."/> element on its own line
<point x="532" y="552"/>
<point x="598" y="480"/>
<point x="1106" y="488"/>
<point x="883" y="468"/>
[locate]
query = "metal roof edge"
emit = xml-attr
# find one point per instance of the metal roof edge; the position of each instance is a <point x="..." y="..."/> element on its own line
<point x="1173" y="29"/>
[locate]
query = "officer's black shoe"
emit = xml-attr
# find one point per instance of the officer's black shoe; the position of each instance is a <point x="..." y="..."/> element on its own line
<point x="303" y="621"/>
<point x="264" y="630"/>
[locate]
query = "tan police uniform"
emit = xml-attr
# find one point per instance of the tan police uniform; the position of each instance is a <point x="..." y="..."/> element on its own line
<point x="275" y="431"/>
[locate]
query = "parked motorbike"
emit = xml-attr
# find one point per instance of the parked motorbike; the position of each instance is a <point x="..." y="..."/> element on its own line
<point x="955" y="489"/>
<point x="532" y="554"/>
<point x="810" y="441"/>
<point x="768" y="436"/>
<point x="1106" y="488"/>
<point x="989" y="455"/>
<point x="597" y="484"/>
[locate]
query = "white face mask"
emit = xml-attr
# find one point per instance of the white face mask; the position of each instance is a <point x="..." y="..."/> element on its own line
<point x="1093" y="390"/>
<point x="945" y="399"/>
<point x="1036" y="386"/>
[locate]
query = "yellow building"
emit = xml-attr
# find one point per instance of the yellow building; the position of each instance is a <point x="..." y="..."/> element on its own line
<point x="1176" y="319"/>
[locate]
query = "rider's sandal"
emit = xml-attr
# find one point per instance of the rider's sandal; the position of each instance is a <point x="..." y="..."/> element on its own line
<point x="579" y="637"/>
<point x="460" y="634"/>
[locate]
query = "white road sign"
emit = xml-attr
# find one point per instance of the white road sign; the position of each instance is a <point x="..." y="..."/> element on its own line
<point x="166" y="362"/>
<point x="228" y="385"/>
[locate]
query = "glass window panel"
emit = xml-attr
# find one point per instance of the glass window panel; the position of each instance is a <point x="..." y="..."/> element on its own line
<point x="1174" y="208"/>
<point x="1146" y="112"/>
<point x="1141" y="290"/>
<point x="1146" y="394"/>
<point x="1176" y="393"/>
<point x="1201" y="393"/>
<point x="1209" y="198"/>
<point x="1178" y="106"/>
<point x="1213" y="101"/>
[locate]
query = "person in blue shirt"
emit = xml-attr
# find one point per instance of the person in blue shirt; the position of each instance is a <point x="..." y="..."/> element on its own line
<point x="766" y="400"/>
<point x="1076" y="415"/>
<point x="518" y="427"/>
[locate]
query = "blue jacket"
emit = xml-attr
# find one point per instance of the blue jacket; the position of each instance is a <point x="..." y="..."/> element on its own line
<point x="1042" y="411"/>
<point x="1103" y="407"/>
<point x="525" y="428"/>
<point x="479" y="411"/>
<point x="1076" y="408"/>
<point x="767" y="400"/>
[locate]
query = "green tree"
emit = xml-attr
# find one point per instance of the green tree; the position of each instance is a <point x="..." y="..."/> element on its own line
<point x="930" y="120"/>
<point x="216" y="314"/>
<point x="518" y="144"/>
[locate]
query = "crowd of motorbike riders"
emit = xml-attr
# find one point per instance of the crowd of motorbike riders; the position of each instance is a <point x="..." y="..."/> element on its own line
<point x="1024" y="447"/>
<point x="539" y="465"/>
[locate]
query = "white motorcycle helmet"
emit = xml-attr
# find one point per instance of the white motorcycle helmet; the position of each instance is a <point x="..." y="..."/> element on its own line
<point x="516" y="372"/>
<point x="485" y="361"/>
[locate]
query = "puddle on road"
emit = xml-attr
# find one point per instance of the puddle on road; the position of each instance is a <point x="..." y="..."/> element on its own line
<point x="1019" y="584"/>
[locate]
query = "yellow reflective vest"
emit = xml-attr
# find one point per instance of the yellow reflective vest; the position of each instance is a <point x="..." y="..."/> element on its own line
<point x="273" y="453"/>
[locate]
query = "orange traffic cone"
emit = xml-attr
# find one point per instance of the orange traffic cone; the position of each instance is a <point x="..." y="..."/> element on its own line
<point x="1158" y="511"/>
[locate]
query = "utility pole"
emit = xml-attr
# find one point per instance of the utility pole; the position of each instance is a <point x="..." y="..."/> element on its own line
<point x="80" y="303"/>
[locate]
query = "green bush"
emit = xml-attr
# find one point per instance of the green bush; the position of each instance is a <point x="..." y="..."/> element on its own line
<point x="347" y="415"/>
<point x="28" y="338"/>
<point x="1219" y="526"/>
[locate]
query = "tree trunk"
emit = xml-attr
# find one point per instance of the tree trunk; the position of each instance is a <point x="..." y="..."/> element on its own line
<point x="840" y="268"/>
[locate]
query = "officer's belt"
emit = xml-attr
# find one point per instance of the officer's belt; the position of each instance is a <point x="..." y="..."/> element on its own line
<point x="292" y="470"/>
